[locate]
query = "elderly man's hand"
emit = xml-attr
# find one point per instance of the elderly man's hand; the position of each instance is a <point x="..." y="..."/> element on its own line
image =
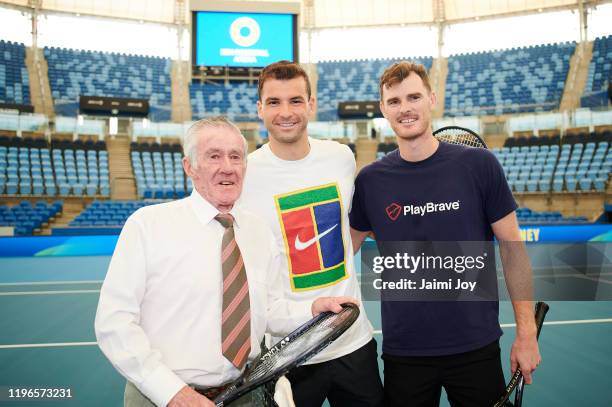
<point x="188" y="397"/>
<point x="333" y="304"/>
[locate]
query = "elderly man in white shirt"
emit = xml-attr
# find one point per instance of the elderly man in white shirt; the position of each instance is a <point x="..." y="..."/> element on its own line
<point x="164" y="318"/>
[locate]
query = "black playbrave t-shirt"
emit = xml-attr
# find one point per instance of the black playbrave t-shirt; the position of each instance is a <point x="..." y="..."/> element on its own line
<point x="454" y="195"/>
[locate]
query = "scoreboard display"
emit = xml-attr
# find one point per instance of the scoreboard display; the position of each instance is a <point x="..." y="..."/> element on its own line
<point x="242" y="39"/>
<point x="238" y="35"/>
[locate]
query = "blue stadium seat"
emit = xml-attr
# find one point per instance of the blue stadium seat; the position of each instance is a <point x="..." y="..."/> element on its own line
<point x="64" y="188"/>
<point x="558" y="184"/>
<point x="77" y="72"/>
<point x="25" y="188"/>
<point x="532" y="185"/>
<point x="544" y="184"/>
<point x="570" y="183"/>
<point x="595" y="91"/>
<point x="14" y="78"/>
<point x="585" y="183"/>
<point x="600" y="183"/>
<point x="338" y="81"/>
<point x="38" y="188"/>
<point x="495" y="82"/>
<point x="91" y="189"/>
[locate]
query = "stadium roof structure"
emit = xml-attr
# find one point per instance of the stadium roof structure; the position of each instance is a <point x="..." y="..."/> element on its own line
<point x="321" y="14"/>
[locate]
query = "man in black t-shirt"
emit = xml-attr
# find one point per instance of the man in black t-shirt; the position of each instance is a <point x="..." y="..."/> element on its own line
<point x="432" y="191"/>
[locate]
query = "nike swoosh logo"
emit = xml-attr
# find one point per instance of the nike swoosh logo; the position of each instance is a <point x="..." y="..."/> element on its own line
<point x="299" y="245"/>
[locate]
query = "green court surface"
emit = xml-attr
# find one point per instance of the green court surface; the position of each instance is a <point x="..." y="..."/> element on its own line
<point x="47" y="308"/>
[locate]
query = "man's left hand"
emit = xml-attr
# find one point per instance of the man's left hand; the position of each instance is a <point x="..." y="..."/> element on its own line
<point x="526" y="355"/>
<point x="333" y="304"/>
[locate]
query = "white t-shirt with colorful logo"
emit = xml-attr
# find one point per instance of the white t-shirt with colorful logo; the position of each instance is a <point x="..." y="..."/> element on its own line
<point x="306" y="203"/>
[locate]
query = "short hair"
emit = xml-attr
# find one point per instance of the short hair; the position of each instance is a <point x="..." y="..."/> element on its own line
<point x="399" y="71"/>
<point x="190" y="141"/>
<point x="283" y="71"/>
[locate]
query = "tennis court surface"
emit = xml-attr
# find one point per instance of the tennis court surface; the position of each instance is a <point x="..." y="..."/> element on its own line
<point x="48" y="304"/>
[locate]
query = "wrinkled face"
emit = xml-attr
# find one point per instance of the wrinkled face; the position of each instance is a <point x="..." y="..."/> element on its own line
<point x="407" y="106"/>
<point x="285" y="108"/>
<point x="220" y="166"/>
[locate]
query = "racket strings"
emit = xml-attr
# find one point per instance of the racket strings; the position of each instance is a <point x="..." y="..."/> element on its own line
<point x="300" y="345"/>
<point x="464" y="139"/>
<point x="292" y="351"/>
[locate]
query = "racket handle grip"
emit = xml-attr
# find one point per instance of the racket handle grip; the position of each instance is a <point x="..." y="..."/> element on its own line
<point x="541" y="308"/>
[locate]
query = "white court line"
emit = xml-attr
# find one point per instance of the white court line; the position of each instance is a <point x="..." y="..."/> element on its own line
<point x="376" y="332"/>
<point x="47" y="345"/>
<point x="599" y="280"/>
<point x="53" y="282"/>
<point x="49" y="292"/>
<point x="570" y="322"/>
<point x="592" y="275"/>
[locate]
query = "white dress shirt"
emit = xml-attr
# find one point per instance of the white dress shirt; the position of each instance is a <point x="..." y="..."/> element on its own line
<point x="159" y="316"/>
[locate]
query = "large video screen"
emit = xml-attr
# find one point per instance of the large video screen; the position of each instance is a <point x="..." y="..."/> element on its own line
<point x="242" y="39"/>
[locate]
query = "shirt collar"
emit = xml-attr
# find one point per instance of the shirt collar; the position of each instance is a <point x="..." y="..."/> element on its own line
<point x="205" y="212"/>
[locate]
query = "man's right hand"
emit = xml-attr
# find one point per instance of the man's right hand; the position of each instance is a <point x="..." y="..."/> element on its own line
<point x="333" y="304"/>
<point x="188" y="397"/>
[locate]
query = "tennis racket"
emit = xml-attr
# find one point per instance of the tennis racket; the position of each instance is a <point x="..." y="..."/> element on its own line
<point x="459" y="135"/>
<point x="517" y="382"/>
<point x="291" y="351"/>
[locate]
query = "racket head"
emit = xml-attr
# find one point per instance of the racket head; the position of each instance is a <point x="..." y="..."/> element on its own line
<point x="460" y="136"/>
<point x="291" y="351"/>
<point x="517" y="382"/>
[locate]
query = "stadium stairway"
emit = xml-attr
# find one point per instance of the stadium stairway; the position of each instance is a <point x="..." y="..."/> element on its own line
<point x="71" y="209"/>
<point x="438" y="74"/>
<point x="576" y="76"/>
<point x="40" y="90"/>
<point x="366" y="152"/>
<point x="181" y="105"/>
<point x="123" y="186"/>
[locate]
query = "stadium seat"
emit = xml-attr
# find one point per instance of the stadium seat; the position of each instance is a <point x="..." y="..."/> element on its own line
<point x="14" y="78"/>
<point x="585" y="183"/>
<point x="595" y="90"/>
<point x="73" y="73"/>
<point x="338" y="81"/>
<point x="544" y="185"/>
<point x="532" y="185"/>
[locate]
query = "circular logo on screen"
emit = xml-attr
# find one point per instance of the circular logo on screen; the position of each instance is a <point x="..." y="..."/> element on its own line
<point x="245" y="31"/>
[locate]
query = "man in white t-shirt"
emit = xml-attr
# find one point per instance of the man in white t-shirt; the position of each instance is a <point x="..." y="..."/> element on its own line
<point x="303" y="187"/>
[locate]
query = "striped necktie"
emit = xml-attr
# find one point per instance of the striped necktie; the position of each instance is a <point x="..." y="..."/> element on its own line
<point x="236" y="316"/>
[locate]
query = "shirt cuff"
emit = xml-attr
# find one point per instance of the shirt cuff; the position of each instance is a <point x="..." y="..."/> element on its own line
<point x="161" y="385"/>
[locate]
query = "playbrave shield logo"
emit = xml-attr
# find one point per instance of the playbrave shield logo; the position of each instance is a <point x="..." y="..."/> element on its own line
<point x="311" y="222"/>
<point x="393" y="211"/>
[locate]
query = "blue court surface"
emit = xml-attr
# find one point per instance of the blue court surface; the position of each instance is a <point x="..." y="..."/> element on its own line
<point x="47" y="308"/>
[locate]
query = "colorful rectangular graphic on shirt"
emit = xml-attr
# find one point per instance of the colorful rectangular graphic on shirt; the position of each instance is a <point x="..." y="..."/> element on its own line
<point x="311" y="223"/>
